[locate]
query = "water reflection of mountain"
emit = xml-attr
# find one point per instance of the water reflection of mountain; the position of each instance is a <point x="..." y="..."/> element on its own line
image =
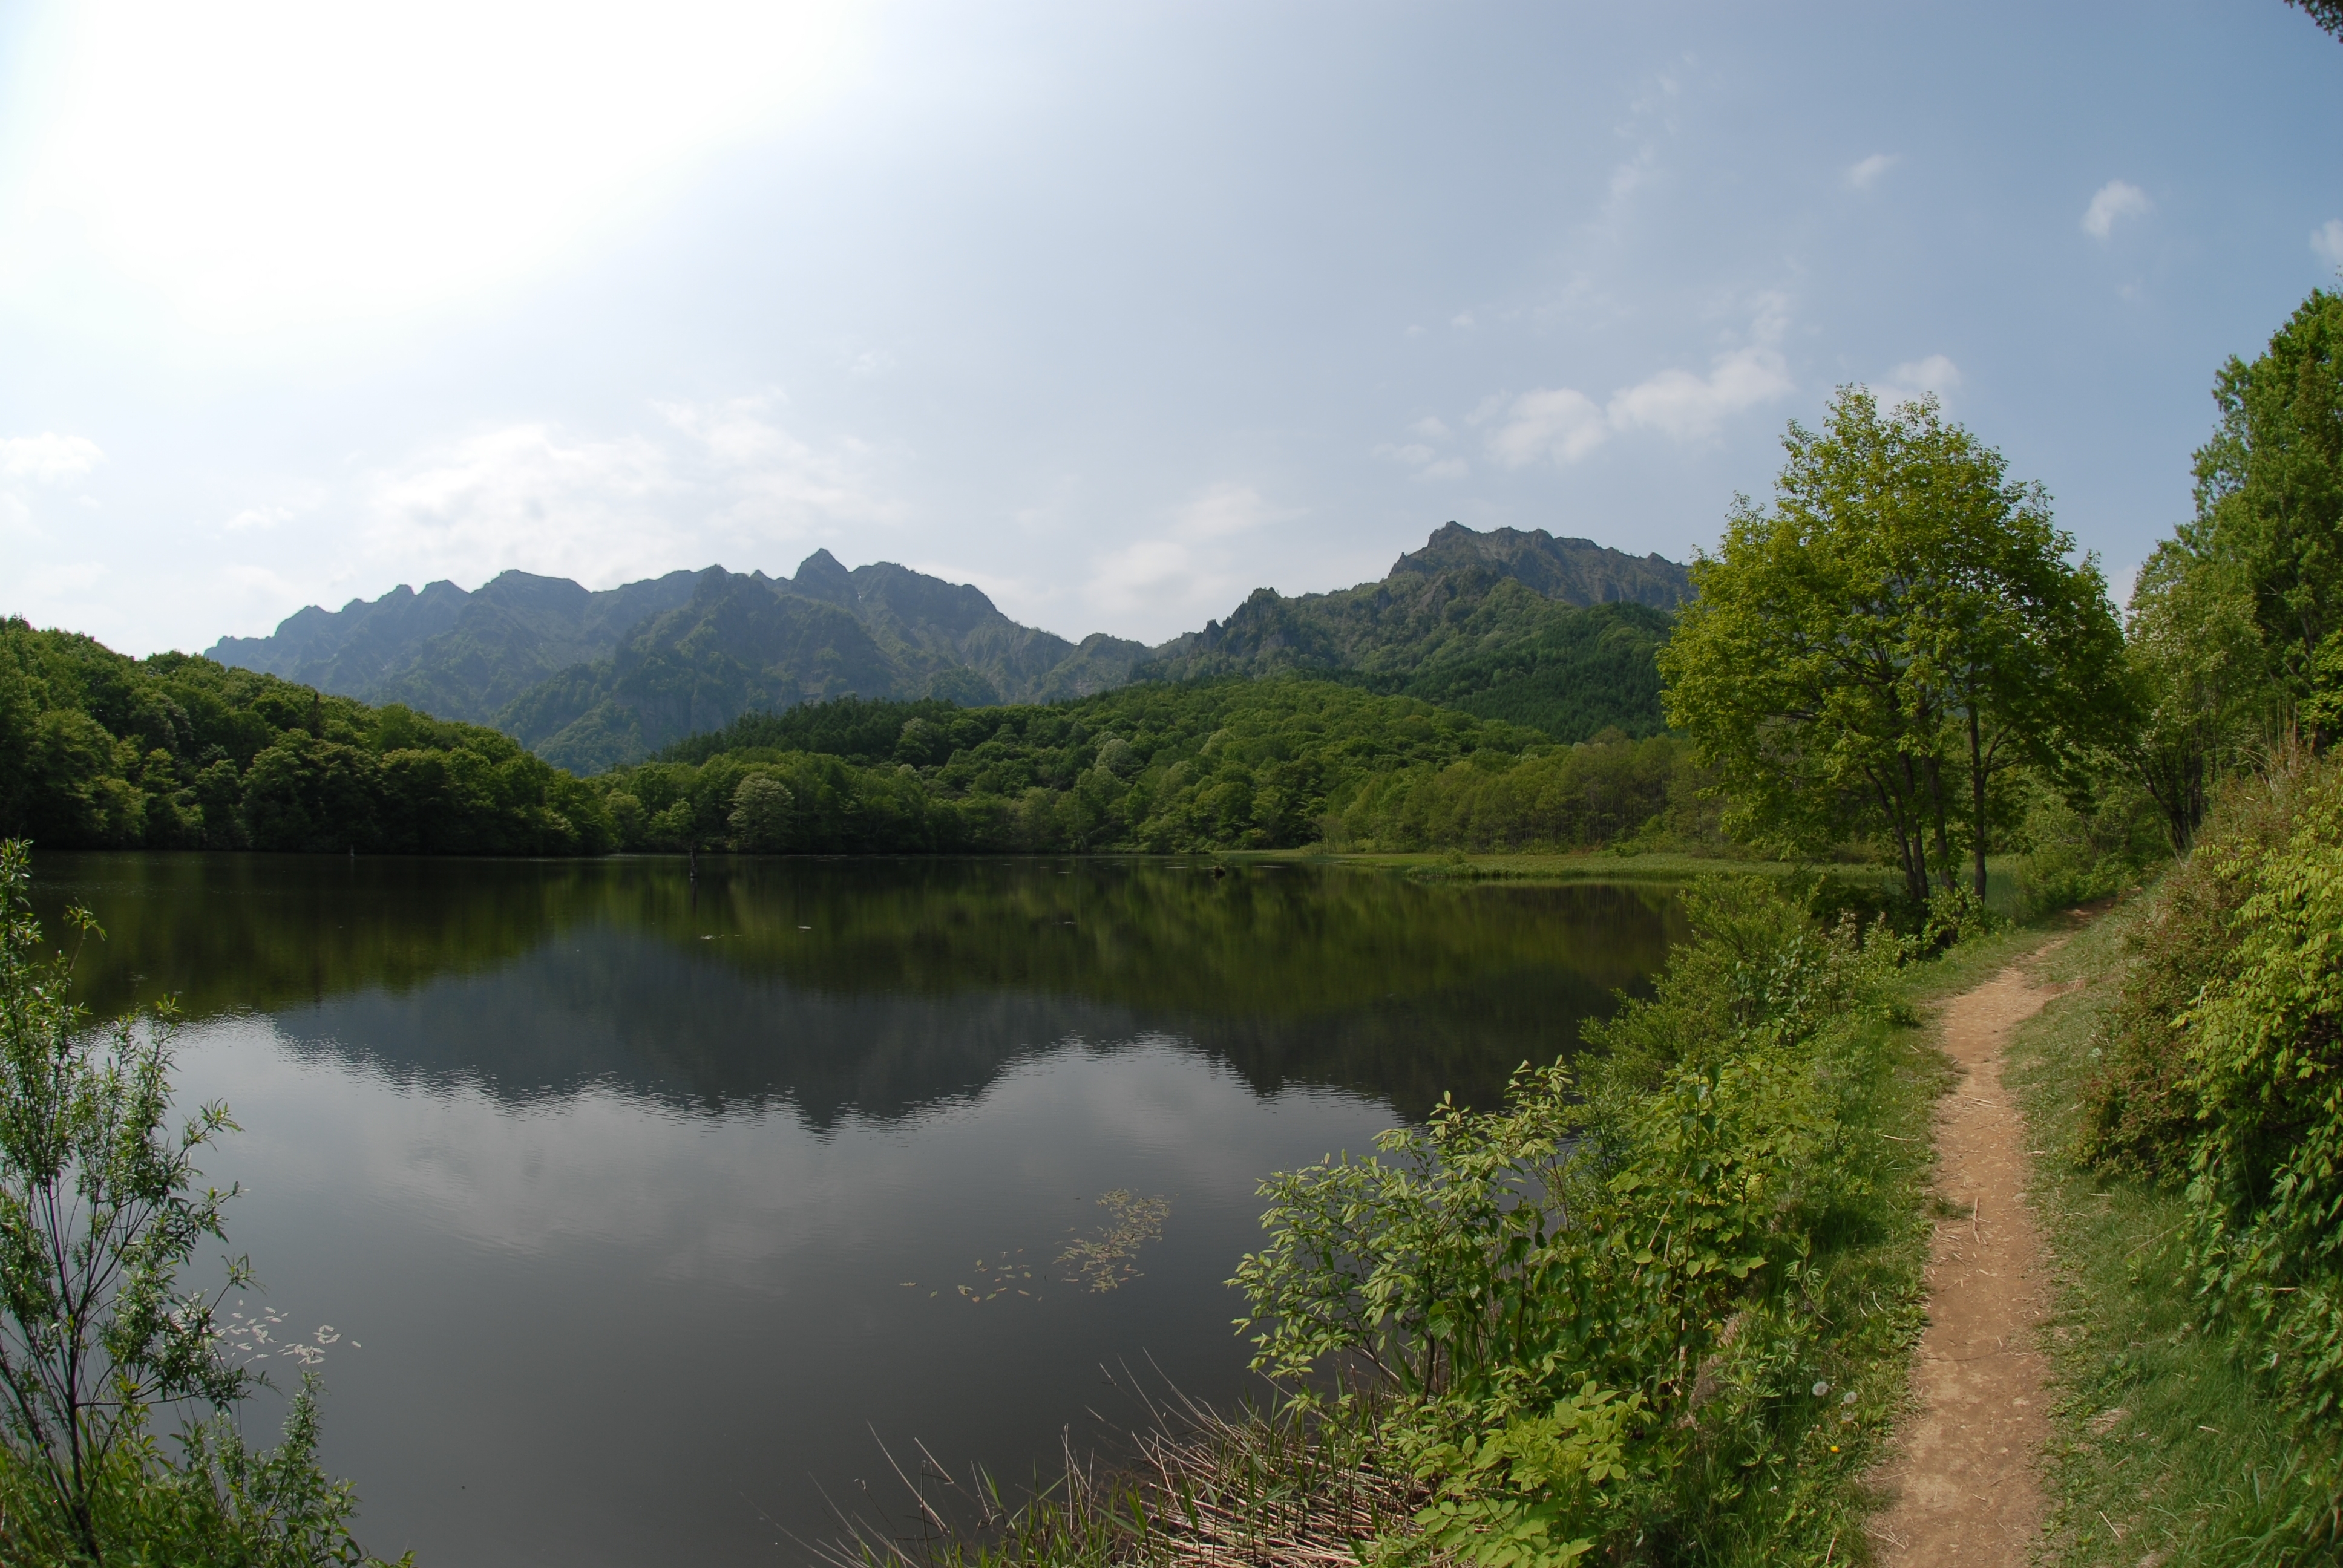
<point x="872" y="988"/>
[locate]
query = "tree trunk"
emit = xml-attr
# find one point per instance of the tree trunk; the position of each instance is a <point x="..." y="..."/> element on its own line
<point x="1976" y="799"/>
<point x="1910" y="843"/>
<point x="1944" y="835"/>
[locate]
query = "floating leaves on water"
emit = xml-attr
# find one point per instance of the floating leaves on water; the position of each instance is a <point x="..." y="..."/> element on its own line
<point x="254" y="1338"/>
<point x="1102" y="1260"/>
<point x="1000" y="1276"/>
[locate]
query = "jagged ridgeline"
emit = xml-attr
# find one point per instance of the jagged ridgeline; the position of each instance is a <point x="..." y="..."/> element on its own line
<point x="588" y="680"/>
<point x="1553" y="634"/>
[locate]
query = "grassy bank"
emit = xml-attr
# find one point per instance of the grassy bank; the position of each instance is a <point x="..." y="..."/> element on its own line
<point x="1659" y="1311"/>
<point x="2165" y="1443"/>
<point x="2184" y="1103"/>
<point x="1575" y="866"/>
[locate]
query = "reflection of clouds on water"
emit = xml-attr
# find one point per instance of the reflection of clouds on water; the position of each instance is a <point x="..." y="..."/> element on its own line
<point x="736" y="1199"/>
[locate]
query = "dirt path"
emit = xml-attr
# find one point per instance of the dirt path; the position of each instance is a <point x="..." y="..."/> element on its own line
<point x="1964" y="1486"/>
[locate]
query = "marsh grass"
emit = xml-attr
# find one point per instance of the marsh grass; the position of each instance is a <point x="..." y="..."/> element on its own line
<point x="2164" y="1447"/>
<point x="1190" y="1486"/>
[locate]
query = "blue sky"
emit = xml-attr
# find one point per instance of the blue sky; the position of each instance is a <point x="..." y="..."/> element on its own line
<point x="1118" y="311"/>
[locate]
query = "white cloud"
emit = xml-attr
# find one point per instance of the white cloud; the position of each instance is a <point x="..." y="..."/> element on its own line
<point x="1462" y="318"/>
<point x="1563" y="425"/>
<point x="253" y="519"/>
<point x="1918" y="378"/>
<point x="260" y="163"/>
<point x="2327" y="242"/>
<point x="68" y="577"/>
<point x="1421" y="454"/>
<point x="1427" y="463"/>
<point x="1628" y="177"/>
<point x="16" y="520"/>
<point x="48" y="456"/>
<point x="723" y="481"/>
<point x="1228" y="509"/>
<point x="1864" y="175"/>
<point x="2116" y="198"/>
<point x="1195" y="569"/>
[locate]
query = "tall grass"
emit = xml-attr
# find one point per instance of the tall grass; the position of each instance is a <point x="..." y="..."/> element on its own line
<point x="2175" y="1440"/>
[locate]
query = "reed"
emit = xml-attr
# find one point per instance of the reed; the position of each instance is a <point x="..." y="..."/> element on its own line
<point x="1303" y="1484"/>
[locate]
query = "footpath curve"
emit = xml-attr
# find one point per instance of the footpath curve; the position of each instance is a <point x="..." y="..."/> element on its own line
<point x="1964" y="1486"/>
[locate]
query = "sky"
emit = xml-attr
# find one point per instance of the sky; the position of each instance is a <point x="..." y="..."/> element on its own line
<point x="1118" y="311"/>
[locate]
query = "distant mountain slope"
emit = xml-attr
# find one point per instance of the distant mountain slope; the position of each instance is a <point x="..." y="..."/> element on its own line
<point x="745" y="644"/>
<point x="450" y="653"/>
<point x="1553" y="633"/>
<point x="589" y="680"/>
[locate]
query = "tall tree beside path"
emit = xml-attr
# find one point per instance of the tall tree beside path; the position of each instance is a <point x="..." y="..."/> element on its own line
<point x="2269" y="502"/>
<point x="2198" y="666"/>
<point x="1898" y="634"/>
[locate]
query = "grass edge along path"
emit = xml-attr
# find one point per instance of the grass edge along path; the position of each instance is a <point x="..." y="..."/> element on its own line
<point x="1963" y="1485"/>
<point x="2164" y="1450"/>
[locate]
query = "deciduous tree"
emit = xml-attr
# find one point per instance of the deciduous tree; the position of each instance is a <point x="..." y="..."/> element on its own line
<point x="1897" y="632"/>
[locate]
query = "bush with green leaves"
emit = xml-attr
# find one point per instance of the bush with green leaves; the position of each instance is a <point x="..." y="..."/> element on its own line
<point x="1614" y="1307"/>
<point x="2219" y="1070"/>
<point x="2265" y="1046"/>
<point x="101" y="1208"/>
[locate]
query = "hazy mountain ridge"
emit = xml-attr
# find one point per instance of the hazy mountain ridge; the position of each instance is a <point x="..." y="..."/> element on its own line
<point x="450" y="653"/>
<point x="589" y="680"/>
<point x="1554" y="633"/>
<point x="1434" y="604"/>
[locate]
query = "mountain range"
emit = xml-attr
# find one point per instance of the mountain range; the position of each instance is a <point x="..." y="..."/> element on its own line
<point x="1556" y="633"/>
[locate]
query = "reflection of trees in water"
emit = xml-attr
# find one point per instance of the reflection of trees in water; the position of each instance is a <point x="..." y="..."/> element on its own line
<point x="867" y="987"/>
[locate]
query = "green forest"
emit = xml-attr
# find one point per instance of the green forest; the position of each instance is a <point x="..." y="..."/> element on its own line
<point x="1276" y="762"/>
<point x="177" y="752"/>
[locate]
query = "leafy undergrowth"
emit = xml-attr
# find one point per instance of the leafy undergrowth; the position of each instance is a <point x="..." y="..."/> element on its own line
<point x="1658" y="1312"/>
<point x="2165" y="1446"/>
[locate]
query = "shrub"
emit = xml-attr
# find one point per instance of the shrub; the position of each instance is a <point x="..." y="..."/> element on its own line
<point x="2139" y="1110"/>
<point x="1604" y="1305"/>
<point x="99" y="1209"/>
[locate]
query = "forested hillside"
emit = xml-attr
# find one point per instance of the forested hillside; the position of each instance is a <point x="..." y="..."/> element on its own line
<point x="100" y="751"/>
<point x="741" y="644"/>
<point x="1226" y="764"/>
<point x="453" y="654"/>
<point x="1556" y="634"/>
<point x="590" y="680"/>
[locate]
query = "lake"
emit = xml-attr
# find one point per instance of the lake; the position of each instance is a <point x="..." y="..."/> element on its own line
<point x="635" y="1218"/>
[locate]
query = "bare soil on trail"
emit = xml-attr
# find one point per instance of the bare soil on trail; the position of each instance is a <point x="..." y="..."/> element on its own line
<point x="1965" y="1487"/>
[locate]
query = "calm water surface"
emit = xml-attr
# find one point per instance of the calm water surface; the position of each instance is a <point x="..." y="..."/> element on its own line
<point x="640" y="1214"/>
